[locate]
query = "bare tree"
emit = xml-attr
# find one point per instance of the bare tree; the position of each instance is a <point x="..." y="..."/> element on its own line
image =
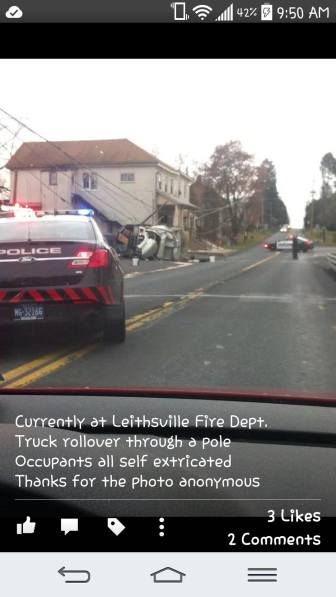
<point x="9" y="143"/>
<point x="187" y="165"/>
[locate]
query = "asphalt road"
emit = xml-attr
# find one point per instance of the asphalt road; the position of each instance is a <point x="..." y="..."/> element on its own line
<point x="254" y="320"/>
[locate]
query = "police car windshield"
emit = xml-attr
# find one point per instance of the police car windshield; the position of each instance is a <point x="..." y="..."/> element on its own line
<point x="39" y="230"/>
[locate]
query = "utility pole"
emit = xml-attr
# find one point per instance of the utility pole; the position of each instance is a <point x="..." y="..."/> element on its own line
<point x="270" y="214"/>
<point x="313" y="193"/>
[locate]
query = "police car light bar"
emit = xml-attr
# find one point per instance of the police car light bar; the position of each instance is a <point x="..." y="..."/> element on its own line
<point x="85" y="212"/>
<point x="18" y="211"/>
<point x="69" y="212"/>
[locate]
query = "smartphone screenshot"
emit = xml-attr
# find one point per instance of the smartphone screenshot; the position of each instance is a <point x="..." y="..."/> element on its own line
<point x="167" y="300"/>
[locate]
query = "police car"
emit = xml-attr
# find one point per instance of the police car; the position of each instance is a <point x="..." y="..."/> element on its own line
<point x="304" y="244"/>
<point x="59" y="268"/>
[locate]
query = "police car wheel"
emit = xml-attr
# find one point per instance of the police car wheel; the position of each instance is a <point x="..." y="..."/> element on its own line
<point x="115" y="332"/>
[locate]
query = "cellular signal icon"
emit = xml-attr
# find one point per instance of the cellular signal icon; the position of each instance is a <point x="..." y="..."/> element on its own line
<point x="202" y="11"/>
<point x="226" y="15"/>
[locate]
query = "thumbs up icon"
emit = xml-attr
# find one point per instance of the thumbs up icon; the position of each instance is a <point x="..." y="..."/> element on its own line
<point x="26" y="528"/>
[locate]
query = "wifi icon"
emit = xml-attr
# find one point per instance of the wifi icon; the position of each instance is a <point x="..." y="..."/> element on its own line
<point x="202" y="11"/>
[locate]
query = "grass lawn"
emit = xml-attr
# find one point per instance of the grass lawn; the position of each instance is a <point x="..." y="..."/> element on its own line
<point x="253" y="239"/>
<point x="317" y="236"/>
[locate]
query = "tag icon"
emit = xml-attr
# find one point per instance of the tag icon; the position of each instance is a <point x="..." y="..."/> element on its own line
<point x="115" y="526"/>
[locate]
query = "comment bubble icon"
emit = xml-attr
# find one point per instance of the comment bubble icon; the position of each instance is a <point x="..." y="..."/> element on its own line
<point x="68" y="525"/>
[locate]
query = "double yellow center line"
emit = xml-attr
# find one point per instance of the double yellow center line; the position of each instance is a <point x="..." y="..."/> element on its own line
<point x="29" y="373"/>
<point x="246" y="269"/>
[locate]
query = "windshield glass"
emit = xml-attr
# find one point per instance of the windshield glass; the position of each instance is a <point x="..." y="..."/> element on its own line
<point x="195" y="281"/>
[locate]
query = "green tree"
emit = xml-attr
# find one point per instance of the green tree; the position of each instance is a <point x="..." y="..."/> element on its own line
<point x="209" y="223"/>
<point x="328" y="166"/>
<point x="231" y="174"/>
<point x="322" y="212"/>
<point x="266" y="193"/>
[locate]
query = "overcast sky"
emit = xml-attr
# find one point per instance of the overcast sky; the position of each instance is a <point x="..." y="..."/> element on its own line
<point x="283" y="110"/>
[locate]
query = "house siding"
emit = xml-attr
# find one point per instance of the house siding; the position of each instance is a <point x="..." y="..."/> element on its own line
<point x="115" y="201"/>
<point x="133" y="201"/>
<point x="32" y="186"/>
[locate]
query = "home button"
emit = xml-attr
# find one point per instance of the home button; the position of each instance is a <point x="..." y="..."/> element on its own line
<point x="168" y="574"/>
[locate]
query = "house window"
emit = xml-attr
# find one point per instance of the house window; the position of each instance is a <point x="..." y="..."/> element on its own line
<point x="171" y="186"/>
<point x="159" y="182"/>
<point x="127" y="177"/>
<point x="53" y="178"/>
<point x="90" y="180"/>
<point x="86" y="180"/>
<point x="166" y="186"/>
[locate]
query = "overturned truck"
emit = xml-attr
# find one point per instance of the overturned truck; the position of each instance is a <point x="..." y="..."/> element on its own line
<point x="161" y="242"/>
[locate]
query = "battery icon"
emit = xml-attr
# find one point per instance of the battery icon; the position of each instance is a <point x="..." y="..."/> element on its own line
<point x="266" y="12"/>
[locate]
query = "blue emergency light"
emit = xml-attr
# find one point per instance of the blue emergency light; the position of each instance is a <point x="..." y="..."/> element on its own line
<point x="85" y="212"/>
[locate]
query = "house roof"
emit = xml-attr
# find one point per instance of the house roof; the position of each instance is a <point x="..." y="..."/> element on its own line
<point x="168" y="568"/>
<point x="166" y="197"/>
<point x="172" y="170"/>
<point x="60" y="154"/>
<point x="111" y="210"/>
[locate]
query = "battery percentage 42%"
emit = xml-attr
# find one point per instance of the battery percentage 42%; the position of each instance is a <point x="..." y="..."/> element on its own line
<point x="247" y="13"/>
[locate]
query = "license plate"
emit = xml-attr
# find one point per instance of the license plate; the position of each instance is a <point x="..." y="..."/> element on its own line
<point x="28" y="312"/>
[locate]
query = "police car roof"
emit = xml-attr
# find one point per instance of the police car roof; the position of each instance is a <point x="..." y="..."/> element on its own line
<point x="64" y="218"/>
<point x="46" y="218"/>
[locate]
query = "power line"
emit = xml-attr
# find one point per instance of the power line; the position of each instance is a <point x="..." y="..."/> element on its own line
<point x="53" y="144"/>
<point x="221" y="225"/>
<point x="76" y="162"/>
<point x="34" y="151"/>
<point x="55" y="192"/>
<point x="11" y="139"/>
<point x="209" y="213"/>
<point x="43" y="184"/>
<point x="230" y="205"/>
<point x="89" y="191"/>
